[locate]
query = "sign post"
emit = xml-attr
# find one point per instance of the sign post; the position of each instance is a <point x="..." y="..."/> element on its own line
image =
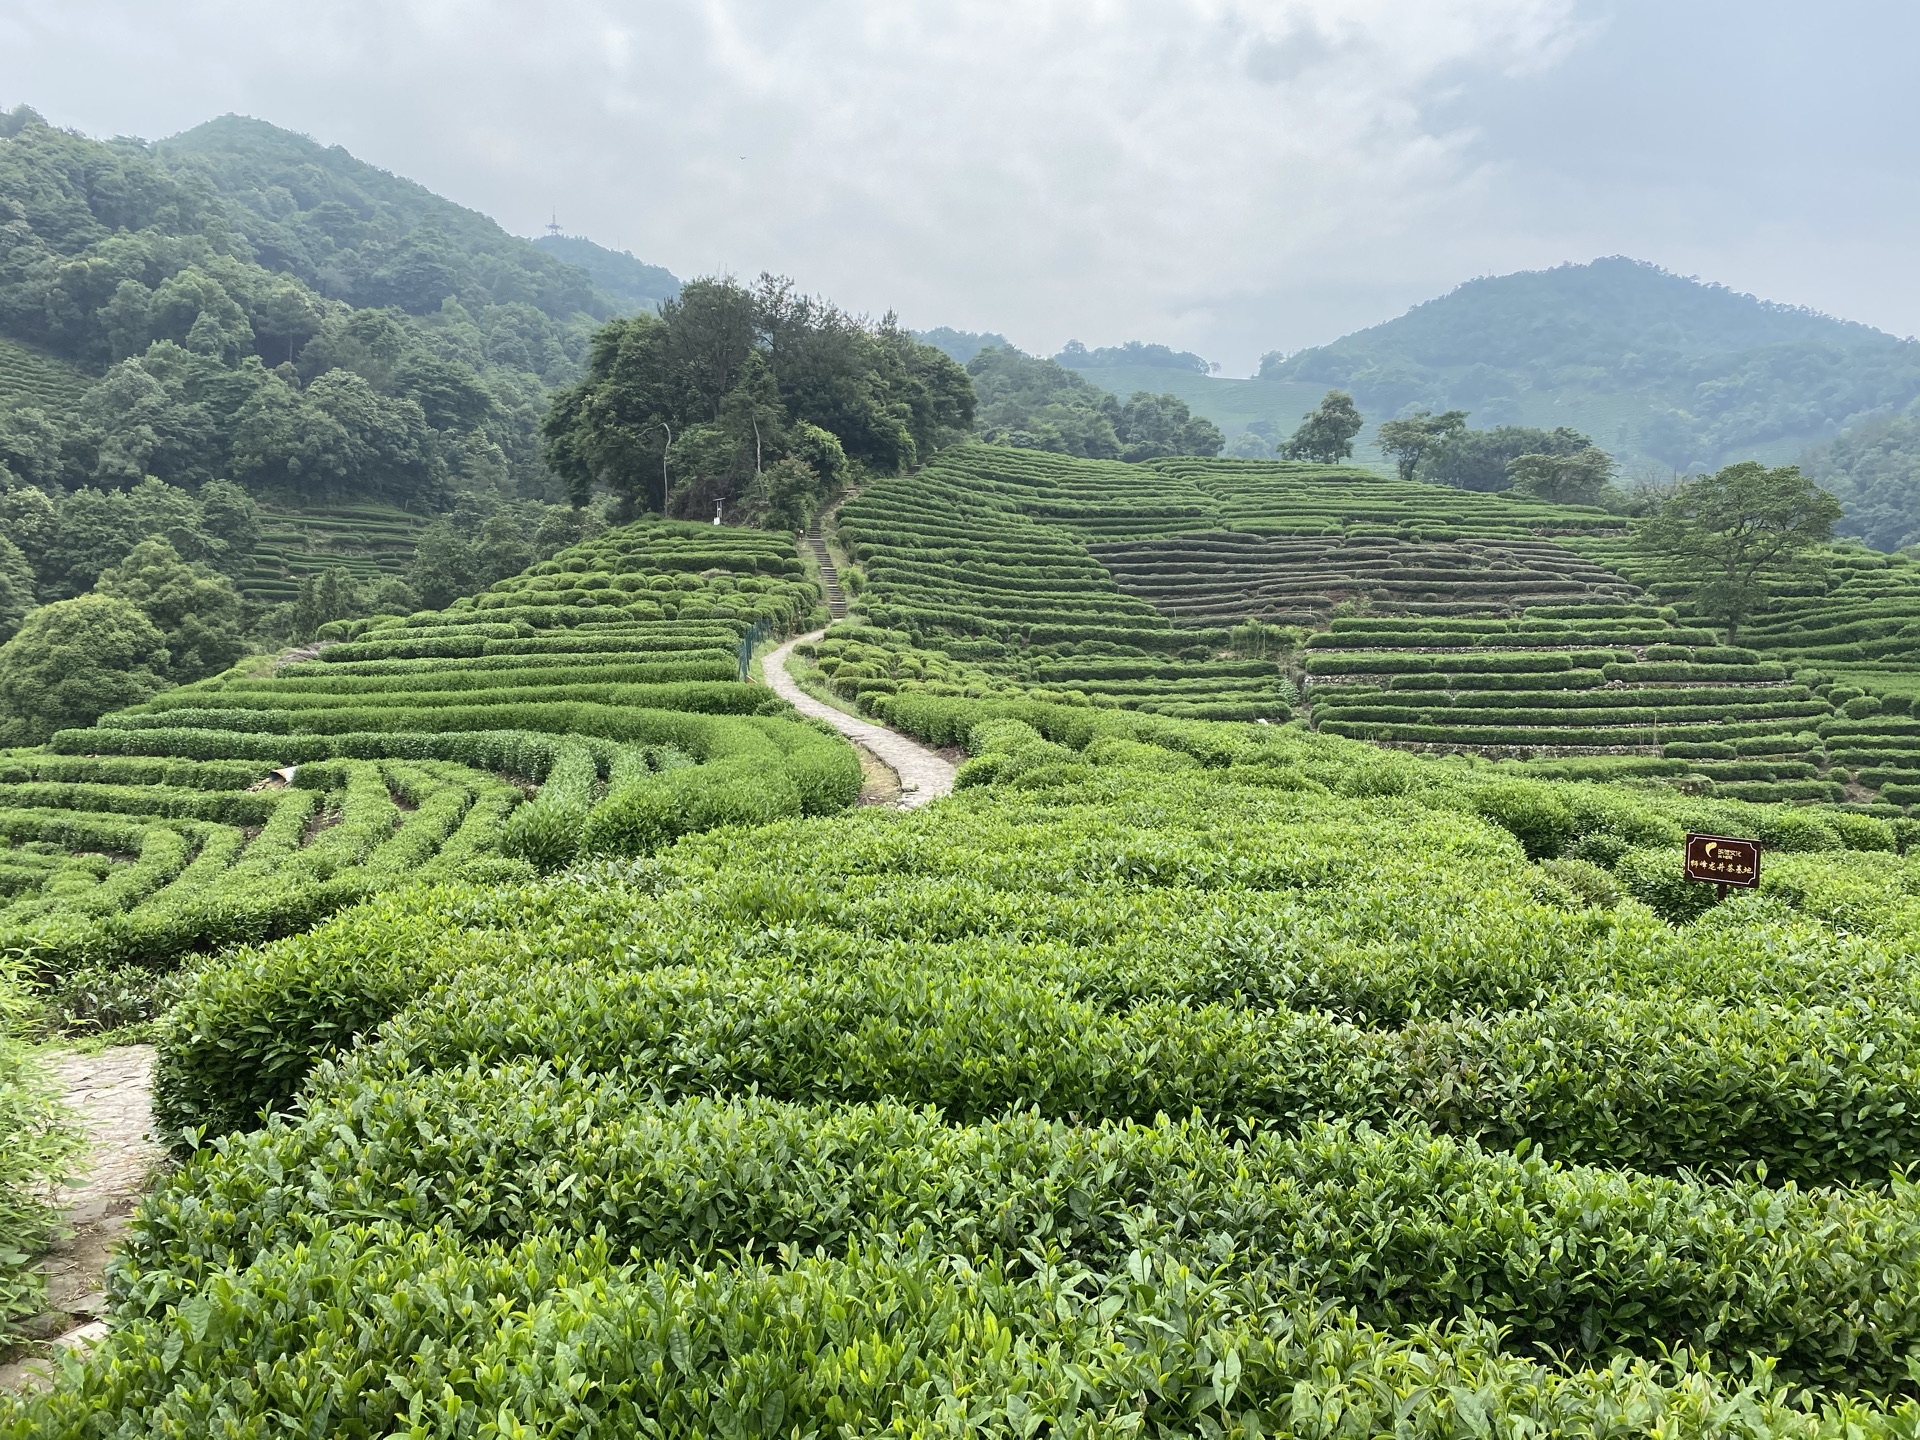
<point x="1724" y="861"/>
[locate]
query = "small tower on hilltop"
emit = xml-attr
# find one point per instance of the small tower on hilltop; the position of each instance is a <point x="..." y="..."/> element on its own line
<point x="553" y="225"/>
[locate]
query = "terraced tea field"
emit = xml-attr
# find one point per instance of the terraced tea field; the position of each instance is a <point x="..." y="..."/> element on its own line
<point x="367" y="542"/>
<point x="1588" y="689"/>
<point x="1441" y="620"/>
<point x="580" y="1069"/>
<point x="31" y="378"/>
<point x="1177" y="1079"/>
<point x="252" y="804"/>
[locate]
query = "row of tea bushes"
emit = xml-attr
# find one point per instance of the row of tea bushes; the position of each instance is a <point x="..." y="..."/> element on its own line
<point x="1397" y="1224"/>
<point x="1847" y="605"/>
<point x="1604" y="693"/>
<point x="1291" y="499"/>
<point x="410" y="742"/>
<point x="1267" y="1073"/>
<point x="982" y="557"/>
<point x="366" y="541"/>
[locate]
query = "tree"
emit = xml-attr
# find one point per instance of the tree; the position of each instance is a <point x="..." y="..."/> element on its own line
<point x="1154" y="425"/>
<point x="72" y="662"/>
<point x="1326" y="435"/>
<point x="232" y="523"/>
<point x="16" y="587"/>
<point x="1577" y="479"/>
<point x="1733" y="531"/>
<point x="1478" y="459"/>
<point x="786" y="494"/>
<point x="688" y="408"/>
<point x="1409" y="438"/>
<point x="194" y="607"/>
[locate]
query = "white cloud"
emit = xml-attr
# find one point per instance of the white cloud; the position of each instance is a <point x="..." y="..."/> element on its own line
<point x="1212" y="172"/>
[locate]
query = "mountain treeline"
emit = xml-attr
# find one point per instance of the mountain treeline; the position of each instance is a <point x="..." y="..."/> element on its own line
<point x="1036" y="404"/>
<point x="1874" y="470"/>
<point x="1661" y="367"/>
<point x="262" y="309"/>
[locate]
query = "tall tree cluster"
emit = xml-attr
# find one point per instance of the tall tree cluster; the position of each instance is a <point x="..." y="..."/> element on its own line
<point x="755" y="403"/>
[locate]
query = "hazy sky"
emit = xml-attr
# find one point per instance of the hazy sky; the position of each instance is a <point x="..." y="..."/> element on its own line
<point x="1232" y="176"/>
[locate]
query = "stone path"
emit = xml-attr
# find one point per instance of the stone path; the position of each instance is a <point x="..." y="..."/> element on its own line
<point x="923" y="774"/>
<point x="829" y="573"/>
<point x="112" y="1093"/>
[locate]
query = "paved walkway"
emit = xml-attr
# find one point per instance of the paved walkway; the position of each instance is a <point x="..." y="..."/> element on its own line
<point x="112" y="1094"/>
<point x="923" y="775"/>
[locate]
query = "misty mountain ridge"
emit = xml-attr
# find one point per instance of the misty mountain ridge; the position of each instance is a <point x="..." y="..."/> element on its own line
<point x="354" y="232"/>
<point x="1664" y="371"/>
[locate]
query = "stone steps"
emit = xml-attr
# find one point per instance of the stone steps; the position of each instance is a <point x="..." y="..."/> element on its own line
<point x="829" y="574"/>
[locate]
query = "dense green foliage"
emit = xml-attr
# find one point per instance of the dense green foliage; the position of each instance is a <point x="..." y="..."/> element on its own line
<point x="1326" y="433"/>
<point x="1875" y="472"/>
<point x="1484" y="459"/>
<point x="409" y="743"/>
<point x="751" y="403"/>
<point x="1034" y="404"/>
<point x="37" y="1145"/>
<point x="1736" y="530"/>
<point x="276" y="313"/>
<point x="633" y="283"/>
<point x="1133" y="354"/>
<point x="1659" y="369"/>
<point x="961" y="345"/>
<point x="73" y="661"/>
<point x="1175" y="1075"/>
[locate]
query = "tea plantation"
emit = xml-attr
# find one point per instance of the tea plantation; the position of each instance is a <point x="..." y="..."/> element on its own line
<point x="1172" y="1078"/>
<point x="559" y="1059"/>
<point x="366" y="542"/>
<point x="1412" y="615"/>
<point x="31" y="378"/>
<point x="250" y="805"/>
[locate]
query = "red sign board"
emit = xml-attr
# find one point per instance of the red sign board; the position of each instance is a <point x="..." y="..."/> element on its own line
<point x="1723" y="860"/>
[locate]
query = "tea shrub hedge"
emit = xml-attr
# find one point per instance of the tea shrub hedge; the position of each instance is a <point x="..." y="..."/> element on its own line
<point x="1165" y="1042"/>
<point x="1207" y="1077"/>
<point x="1442" y="620"/>
<point x="410" y="744"/>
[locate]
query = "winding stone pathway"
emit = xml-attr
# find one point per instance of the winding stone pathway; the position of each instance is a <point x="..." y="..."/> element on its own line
<point x="923" y="774"/>
<point x="112" y="1095"/>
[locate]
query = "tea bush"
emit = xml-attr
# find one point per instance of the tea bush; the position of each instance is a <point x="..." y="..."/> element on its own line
<point x="594" y="675"/>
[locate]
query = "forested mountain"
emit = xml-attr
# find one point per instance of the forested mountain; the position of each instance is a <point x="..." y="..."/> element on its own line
<point x="261" y="308"/>
<point x="632" y="283"/>
<point x="1659" y="369"/>
<point x="1875" y="471"/>
<point x="239" y="303"/>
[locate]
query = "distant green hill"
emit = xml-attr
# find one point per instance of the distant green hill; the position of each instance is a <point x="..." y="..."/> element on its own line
<point x="634" y="284"/>
<point x="962" y="345"/>
<point x="242" y="303"/>
<point x="354" y="232"/>
<point x="1661" y="370"/>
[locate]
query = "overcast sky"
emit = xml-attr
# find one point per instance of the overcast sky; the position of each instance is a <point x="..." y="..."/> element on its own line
<point x="1231" y="176"/>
